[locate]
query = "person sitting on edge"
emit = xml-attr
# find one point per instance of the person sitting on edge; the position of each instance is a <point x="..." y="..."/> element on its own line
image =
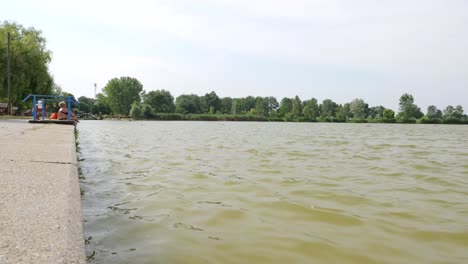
<point x="62" y="113"/>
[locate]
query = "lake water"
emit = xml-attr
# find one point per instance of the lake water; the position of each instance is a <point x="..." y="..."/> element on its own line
<point x="232" y="192"/>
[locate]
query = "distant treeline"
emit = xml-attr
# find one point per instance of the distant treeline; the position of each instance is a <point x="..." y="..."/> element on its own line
<point x="125" y="97"/>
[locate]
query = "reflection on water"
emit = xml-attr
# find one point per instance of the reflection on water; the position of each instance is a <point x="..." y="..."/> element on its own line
<point x="228" y="192"/>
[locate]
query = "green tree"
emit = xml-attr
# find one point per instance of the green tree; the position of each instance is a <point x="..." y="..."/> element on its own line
<point x="408" y="109"/>
<point x="161" y="101"/>
<point x="458" y="113"/>
<point x="273" y="104"/>
<point x="188" y="104"/>
<point x="210" y="103"/>
<point x="30" y="60"/>
<point x="262" y="106"/>
<point x="311" y="109"/>
<point x="297" y="107"/>
<point x="433" y="112"/>
<point x="226" y="105"/>
<point x="102" y="105"/>
<point x="286" y="106"/>
<point x="388" y="114"/>
<point x="86" y="104"/>
<point x="234" y="106"/>
<point x="244" y="105"/>
<point x="448" y="112"/>
<point x="453" y="114"/>
<point x="358" y="108"/>
<point x="135" y="111"/>
<point x="328" y="109"/>
<point x="122" y="92"/>
<point x="376" y="112"/>
<point x="341" y="113"/>
<point x="147" y="111"/>
<point x="346" y="111"/>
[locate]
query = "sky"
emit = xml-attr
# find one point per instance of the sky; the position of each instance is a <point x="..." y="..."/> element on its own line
<point x="326" y="49"/>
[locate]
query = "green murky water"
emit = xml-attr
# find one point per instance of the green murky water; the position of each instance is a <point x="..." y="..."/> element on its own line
<point x="215" y="192"/>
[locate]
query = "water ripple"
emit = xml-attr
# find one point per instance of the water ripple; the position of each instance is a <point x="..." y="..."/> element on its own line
<point x="215" y="192"/>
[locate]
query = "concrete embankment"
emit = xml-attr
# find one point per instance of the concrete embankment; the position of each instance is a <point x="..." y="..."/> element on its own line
<point x="40" y="203"/>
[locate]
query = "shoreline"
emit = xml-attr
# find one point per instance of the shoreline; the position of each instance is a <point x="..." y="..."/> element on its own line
<point x="249" y="118"/>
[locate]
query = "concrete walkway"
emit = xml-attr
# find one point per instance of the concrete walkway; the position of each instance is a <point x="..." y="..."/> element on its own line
<point x="40" y="203"/>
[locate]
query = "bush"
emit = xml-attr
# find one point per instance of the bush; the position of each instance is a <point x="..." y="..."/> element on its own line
<point x="357" y="120"/>
<point x="452" y="121"/>
<point x="168" y="116"/>
<point x="135" y="111"/>
<point x="405" y="120"/>
<point x="388" y="120"/>
<point x="427" y="120"/>
<point x="276" y="119"/>
<point x="324" y="119"/>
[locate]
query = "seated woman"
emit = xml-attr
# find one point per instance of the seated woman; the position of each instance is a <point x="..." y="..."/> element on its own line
<point x="62" y="113"/>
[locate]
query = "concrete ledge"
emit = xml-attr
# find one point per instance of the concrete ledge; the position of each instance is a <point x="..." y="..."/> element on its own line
<point x="40" y="202"/>
<point x="60" y="122"/>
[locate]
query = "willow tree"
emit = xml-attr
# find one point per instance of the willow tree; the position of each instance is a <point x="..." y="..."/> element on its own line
<point x="29" y="62"/>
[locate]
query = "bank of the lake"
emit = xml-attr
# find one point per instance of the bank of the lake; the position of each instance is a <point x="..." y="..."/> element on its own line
<point x="259" y="192"/>
<point x="40" y="203"/>
<point x="256" y="118"/>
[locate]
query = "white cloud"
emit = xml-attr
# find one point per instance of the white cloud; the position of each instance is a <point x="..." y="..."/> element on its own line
<point x="408" y="36"/>
<point x="407" y="40"/>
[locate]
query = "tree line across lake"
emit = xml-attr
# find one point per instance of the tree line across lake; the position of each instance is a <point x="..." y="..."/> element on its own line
<point x="125" y="97"/>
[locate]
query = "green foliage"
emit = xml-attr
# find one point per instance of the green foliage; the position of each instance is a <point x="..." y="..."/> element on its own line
<point x="101" y="106"/>
<point x="346" y="111"/>
<point x="211" y="108"/>
<point x="453" y="115"/>
<point x="226" y="105"/>
<point x="168" y="116"/>
<point x="160" y="100"/>
<point x="147" y="111"/>
<point x="86" y="104"/>
<point x="388" y="116"/>
<point x="328" y="110"/>
<point x="341" y="114"/>
<point x="244" y="105"/>
<point x="261" y="107"/>
<point x="234" y="107"/>
<point x="286" y="107"/>
<point x="408" y="110"/>
<point x="210" y="103"/>
<point x="297" y="107"/>
<point x="121" y="93"/>
<point x="311" y="110"/>
<point x="401" y="118"/>
<point x="358" y="108"/>
<point x="428" y="120"/>
<point x="30" y="60"/>
<point x="433" y="112"/>
<point x="188" y="104"/>
<point x="376" y="112"/>
<point x="135" y="111"/>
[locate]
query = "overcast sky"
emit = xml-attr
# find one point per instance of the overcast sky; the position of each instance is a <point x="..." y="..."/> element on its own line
<point x="336" y="49"/>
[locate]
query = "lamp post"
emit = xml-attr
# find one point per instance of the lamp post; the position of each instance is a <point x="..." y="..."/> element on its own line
<point x="10" y="108"/>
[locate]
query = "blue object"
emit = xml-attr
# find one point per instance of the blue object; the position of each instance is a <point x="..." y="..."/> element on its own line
<point x="51" y="98"/>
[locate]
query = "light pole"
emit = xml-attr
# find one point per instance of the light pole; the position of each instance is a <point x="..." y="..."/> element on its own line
<point x="10" y="108"/>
